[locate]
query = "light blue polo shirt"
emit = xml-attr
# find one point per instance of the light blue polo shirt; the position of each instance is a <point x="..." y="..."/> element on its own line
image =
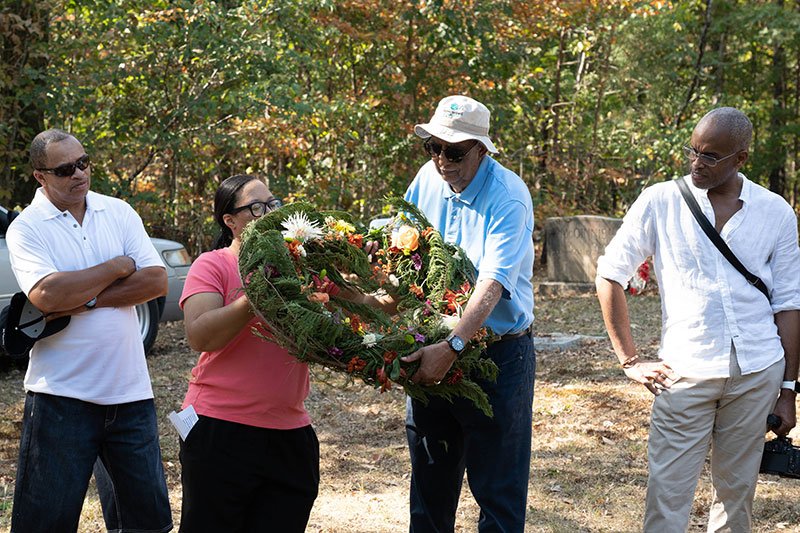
<point x="492" y="220"/>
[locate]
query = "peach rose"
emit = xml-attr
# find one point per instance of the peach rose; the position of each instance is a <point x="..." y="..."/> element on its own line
<point x="406" y="238"/>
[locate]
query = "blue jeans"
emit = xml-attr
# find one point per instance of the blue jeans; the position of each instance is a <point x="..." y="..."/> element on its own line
<point x="63" y="440"/>
<point x="445" y="439"/>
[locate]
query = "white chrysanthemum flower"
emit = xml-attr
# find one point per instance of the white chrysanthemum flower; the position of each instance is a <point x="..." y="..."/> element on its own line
<point x="299" y="227"/>
<point x="371" y="339"/>
<point x="450" y="321"/>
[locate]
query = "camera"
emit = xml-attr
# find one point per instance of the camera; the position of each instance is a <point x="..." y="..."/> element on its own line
<point x="780" y="457"/>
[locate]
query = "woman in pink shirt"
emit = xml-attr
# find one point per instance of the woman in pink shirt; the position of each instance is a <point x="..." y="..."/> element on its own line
<point x="251" y="462"/>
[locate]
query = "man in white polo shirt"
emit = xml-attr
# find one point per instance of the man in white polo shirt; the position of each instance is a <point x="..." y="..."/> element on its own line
<point x="729" y="354"/>
<point x="89" y="401"/>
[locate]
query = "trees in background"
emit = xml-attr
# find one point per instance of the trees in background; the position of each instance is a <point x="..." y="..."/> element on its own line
<point x="591" y="100"/>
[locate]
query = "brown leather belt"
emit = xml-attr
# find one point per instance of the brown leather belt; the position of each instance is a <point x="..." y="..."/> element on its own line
<point x="507" y="336"/>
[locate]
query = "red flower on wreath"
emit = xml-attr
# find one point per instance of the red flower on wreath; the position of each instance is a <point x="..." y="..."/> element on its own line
<point x="456" y="377"/>
<point x="356" y="364"/>
<point x="383" y="379"/>
<point x="389" y="356"/>
<point x="325" y="285"/>
<point x="294" y="249"/>
<point x="456" y="299"/>
<point x="356" y="239"/>
<point x="416" y="290"/>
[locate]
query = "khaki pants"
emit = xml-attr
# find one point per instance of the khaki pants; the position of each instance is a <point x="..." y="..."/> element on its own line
<point x="730" y="416"/>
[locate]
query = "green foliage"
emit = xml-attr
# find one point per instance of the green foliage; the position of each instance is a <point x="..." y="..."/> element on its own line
<point x="591" y="101"/>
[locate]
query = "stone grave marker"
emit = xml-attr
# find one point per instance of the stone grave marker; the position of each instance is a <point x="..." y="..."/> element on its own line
<point x="572" y="246"/>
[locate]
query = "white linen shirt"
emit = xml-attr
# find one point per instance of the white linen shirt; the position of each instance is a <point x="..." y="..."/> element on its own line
<point x="706" y="304"/>
<point x="98" y="357"/>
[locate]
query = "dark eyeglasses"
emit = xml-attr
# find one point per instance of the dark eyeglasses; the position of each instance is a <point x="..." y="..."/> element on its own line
<point x="68" y="169"/>
<point x="709" y="161"/>
<point x="258" y="209"/>
<point x="451" y="153"/>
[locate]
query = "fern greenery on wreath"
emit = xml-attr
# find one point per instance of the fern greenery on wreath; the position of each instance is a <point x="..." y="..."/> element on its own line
<point x="292" y="260"/>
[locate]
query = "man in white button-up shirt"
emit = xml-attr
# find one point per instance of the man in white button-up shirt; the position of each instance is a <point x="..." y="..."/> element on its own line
<point x="725" y="348"/>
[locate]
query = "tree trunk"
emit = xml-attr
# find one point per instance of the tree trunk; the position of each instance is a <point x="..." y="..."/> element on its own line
<point x="698" y="67"/>
<point x="19" y="53"/>
<point x="776" y="153"/>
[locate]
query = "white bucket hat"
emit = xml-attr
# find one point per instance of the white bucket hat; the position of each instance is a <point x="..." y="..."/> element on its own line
<point x="458" y="118"/>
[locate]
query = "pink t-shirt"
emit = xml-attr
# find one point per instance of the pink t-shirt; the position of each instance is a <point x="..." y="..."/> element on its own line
<point x="249" y="381"/>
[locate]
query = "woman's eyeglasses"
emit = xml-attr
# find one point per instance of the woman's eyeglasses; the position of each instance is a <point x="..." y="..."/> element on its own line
<point x="68" y="169"/>
<point x="258" y="209"/>
<point x="451" y="153"/>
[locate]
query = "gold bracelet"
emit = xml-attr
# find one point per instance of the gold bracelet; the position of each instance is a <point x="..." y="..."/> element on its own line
<point x="628" y="363"/>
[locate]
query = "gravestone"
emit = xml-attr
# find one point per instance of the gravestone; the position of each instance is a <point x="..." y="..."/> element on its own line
<point x="572" y="246"/>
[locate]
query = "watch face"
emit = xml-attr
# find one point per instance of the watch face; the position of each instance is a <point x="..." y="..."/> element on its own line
<point x="457" y="343"/>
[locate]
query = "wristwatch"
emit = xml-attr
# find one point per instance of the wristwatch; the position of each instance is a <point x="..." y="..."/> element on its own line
<point x="91" y="303"/>
<point x="456" y="343"/>
<point x="791" y="385"/>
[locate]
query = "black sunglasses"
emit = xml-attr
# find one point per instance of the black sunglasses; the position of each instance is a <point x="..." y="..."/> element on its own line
<point x="451" y="153"/>
<point x="258" y="209"/>
<point x="68" y="169"/>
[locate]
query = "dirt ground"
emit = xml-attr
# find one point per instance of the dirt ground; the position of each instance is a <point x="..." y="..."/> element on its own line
<point x="588" y="470"/>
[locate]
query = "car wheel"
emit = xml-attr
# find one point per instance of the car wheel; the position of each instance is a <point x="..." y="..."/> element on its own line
<point x="148" y="314"/>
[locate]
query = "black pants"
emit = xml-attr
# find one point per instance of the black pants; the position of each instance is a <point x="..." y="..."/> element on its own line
<point x="243" y="478"/>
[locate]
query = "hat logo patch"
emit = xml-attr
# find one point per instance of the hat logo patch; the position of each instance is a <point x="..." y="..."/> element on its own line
<point x="454" y="112"/>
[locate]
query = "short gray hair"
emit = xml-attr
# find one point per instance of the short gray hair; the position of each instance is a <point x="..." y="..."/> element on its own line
<point x="735" y="122"/>
<point x="38" y="152"/>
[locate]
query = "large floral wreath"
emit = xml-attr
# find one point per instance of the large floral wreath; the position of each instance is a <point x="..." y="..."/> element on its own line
<point x="292" y="262"/>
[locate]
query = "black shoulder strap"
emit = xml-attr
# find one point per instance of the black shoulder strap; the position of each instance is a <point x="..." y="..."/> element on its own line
<point x="717" y="240"/>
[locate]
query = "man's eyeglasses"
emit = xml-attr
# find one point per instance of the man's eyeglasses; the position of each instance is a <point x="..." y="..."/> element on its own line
<point x="451" y="153"/>
<point x="68" y="169"/>
<point x="258" y="209"/>
<point x="709" y="161"/>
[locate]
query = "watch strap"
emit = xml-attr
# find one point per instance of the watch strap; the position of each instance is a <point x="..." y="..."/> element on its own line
<point x="791" y="385"/>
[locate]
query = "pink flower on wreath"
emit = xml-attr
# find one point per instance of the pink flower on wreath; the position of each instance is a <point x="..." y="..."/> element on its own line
<point x="325" y="285"/>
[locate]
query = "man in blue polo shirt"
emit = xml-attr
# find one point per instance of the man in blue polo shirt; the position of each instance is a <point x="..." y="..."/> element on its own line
<point x="486" y="209"/>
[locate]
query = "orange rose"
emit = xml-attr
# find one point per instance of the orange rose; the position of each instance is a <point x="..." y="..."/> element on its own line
<point x="406" y="238"/>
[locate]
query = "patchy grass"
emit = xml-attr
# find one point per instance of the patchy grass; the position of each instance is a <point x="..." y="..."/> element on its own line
<point x="588" y="470"/>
